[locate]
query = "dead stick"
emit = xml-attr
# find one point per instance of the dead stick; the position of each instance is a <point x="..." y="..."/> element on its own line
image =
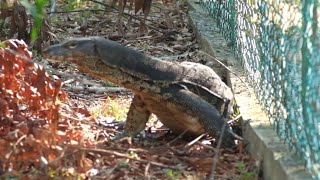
<point x="217" y="60"/>
<point x="128" y="157"/>
<point x="195" y="140"/>
<point x="132" y="16"/>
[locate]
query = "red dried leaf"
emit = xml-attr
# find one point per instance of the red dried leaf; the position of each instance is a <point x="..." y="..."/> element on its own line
<point x="24" y="82"/>
<point x="4" y="107"/>
<point x="19" y="46"/>
<point x="83" y="111"/>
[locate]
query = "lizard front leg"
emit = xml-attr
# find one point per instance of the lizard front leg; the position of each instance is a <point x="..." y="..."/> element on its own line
<point x="137" y="117"/>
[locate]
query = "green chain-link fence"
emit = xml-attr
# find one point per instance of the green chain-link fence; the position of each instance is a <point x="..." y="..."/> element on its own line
<point x="277" y="43"/>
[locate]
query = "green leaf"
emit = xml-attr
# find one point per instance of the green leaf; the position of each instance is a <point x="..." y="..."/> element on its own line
<point x="36" y="11"/>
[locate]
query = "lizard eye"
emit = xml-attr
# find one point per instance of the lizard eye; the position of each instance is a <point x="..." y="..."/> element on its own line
<point x="72" y="45"/>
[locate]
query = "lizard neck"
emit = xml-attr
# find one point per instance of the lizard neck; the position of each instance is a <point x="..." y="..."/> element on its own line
<point x="134" y="62"/>
<point x="127" y="78"/>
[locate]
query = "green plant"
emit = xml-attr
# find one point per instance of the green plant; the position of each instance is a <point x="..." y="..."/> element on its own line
<point x="110" y="107"/>
<point x="36" y="10"/>
<point x="110" y="84"/>
<point x="122" y="163"/>
<point x="72" y="4"/>
<point x="244" y="174"/>
<point x="172" y="175"/>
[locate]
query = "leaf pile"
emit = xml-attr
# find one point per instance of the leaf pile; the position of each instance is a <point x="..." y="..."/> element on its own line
<point x="29" y="105"/>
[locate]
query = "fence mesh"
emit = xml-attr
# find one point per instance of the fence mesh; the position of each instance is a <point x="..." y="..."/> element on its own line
<point x="277" y="43"/>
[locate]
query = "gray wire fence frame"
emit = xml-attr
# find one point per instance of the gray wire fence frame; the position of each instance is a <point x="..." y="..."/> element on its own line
<point x="277" y="43"/>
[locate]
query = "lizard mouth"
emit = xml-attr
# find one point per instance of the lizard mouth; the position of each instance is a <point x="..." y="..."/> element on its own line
<point x="61" y="58"/>
<point x="63" y="55"/>
<point x="57" y="53"/>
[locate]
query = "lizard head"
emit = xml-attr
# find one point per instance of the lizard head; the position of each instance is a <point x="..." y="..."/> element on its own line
<point x="72" y="49"/>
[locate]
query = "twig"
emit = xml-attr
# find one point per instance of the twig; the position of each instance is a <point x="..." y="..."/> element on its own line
<point x="112" y="10"/>
<point x="180" y="135"/>
<point x="78" y="10"/>
<point x="86" y="121"/>
<point x="234" y="119"/>
<point x="8" y="155"/>
<point x="206" y="146"/>
<point x="132" y="16"/>
<point x="128" y="157"/>
<point x="215" y="158"/>
<point x="195" y="140"/>
<point x="62" y="155"/>
<point x="146" y="170"/>
<point x="217" y="60"/>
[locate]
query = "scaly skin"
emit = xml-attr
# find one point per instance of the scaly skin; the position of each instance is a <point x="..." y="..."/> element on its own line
<point x="185" y="97"/>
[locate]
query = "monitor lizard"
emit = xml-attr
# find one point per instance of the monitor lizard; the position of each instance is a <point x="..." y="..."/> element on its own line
<point x="186" y="97"/>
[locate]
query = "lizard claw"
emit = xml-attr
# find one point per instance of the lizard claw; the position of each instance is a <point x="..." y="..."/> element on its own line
<point x="122" y="137"/>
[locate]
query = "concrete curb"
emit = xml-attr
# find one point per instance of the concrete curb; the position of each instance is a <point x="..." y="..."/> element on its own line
<point x="276" y="161"/>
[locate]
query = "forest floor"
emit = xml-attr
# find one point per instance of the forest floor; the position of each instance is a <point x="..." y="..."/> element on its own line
<point x="95" y="110"/>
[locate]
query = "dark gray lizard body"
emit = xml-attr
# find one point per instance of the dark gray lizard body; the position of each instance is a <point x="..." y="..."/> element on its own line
<point x="186" y="96"/>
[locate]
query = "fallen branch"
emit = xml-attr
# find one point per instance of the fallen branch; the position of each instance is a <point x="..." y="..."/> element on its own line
<point x="104" y="151"/>
<point x="195" y="140"/>
<point x="227" y="68"/>
<point x="130" y="15"/>
<point x="79" y="10"/>
<point x="87" y="122"/>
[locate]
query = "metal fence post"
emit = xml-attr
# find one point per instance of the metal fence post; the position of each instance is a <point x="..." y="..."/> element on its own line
<point x="311" y="82"/>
